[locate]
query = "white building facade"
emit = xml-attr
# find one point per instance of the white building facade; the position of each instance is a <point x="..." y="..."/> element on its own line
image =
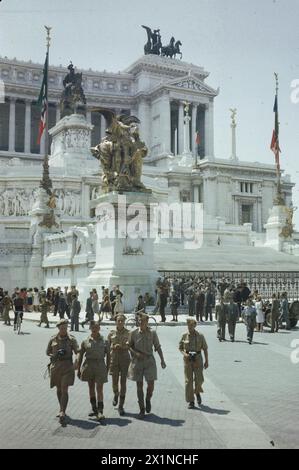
<point x="237" y="196"/>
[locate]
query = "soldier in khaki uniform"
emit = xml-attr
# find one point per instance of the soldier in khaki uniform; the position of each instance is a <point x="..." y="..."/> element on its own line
<point x="94" y="369"/>
<point x="221" y="317"/>
<point x="191" y="345"/>
<point x="119" y="361"/>
<point x="143" y="365"/>
<point x="232" y="317"/>
<point x="44" y="308"/>
<point x="7" y="305"/>
<point x="62" y="373"/>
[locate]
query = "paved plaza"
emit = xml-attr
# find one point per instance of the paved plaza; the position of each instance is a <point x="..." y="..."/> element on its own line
<point x="250" y="399"/>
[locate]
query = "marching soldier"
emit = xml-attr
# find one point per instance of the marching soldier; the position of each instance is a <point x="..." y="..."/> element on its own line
<point x="191" y="345"/>
<point x="62" y="374"/>
<point x="143" y="365"/>
<point x="7" y="305"/>
<point x="221" y="311"/>
<point x="232" y="317"/>
<point x="94" y="369"/>
<point x="44" y="308"/>
<point x="119" y="361"/>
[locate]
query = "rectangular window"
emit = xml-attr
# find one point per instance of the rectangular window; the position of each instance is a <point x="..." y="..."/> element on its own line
<point x="246" y="214"/>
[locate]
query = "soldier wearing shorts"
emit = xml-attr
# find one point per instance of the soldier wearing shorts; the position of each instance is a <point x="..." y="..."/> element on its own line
<point x="62" y="372"/>
<point x="94" y="351"/>
<point x="119" y="361"/>
<point x="143" y="365"/>
<point x="191" y="345"/>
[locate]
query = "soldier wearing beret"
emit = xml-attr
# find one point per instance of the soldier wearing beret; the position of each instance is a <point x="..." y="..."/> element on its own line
<point x="61" y="348"/>
<point x="119" y="361"/>
<point x="141" y="342"/>
<point x="94" y="351"/>
<point x="44" y="308"/>
<point x="191" y="345"/>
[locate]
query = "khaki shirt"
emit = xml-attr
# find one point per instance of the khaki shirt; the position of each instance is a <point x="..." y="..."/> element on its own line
<point x="94" y="349"/>
<point x="120" y="337"/>
<point x="144" y="341"/>
<point x="69" y="343"/>
<point x="195" y="342"/>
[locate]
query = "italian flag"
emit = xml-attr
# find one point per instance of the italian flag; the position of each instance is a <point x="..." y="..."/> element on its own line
<point x="43" y="101"/>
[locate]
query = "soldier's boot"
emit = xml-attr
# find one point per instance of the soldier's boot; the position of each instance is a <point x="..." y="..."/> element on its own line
<point x="140" y="396"/>
<point x="121" y="410"/>
<point x="100" y="410"/>
<point x="47" y="325"/>
<point x="148" y="405"/>
<point x="115" y="399"/>
<point x="93" y="403"/>
<point x="198" y="399"/>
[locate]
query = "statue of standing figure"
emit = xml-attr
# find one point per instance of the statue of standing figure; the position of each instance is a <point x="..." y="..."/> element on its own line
<point x="121" y="153"/>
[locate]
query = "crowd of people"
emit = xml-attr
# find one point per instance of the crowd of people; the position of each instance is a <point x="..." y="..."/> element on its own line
<point x="229" y="302"/>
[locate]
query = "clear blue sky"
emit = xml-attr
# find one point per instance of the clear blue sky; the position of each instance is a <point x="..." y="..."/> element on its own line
<point x="240" y="42"/>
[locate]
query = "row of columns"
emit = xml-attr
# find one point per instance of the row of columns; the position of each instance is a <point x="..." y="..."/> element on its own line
<point x="27" y="124"/>
<point x="147" y="117"/>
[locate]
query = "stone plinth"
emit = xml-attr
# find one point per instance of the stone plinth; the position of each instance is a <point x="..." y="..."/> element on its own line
<point x="274" y="227"/>
<point x="71" y="140"/>
<point x="124" y="249"/>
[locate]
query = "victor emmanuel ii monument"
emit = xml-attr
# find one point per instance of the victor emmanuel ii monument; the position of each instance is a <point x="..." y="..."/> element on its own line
<point x="151" y="129"/>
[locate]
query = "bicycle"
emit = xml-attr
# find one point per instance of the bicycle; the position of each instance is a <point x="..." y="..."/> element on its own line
<point x="132" y="320"/>
<point x="18" y="324"/>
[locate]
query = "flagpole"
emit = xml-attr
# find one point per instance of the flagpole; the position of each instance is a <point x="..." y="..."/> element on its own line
<point x="46" y="182"/>
<point x="279" y="197"/>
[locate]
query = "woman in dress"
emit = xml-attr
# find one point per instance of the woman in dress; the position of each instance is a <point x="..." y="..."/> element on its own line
<point x="95" y="302"/>
<point x="260" y="316"/>
<point x="119" y="306"/>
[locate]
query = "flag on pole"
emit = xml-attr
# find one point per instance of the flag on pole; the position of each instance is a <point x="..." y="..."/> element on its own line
<point x="43" y="101"/>
<point x="274" y="146"/>
<point x="197" y="138"/>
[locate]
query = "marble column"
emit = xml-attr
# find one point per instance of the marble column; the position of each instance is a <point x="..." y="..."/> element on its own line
<point x="165" y="131"/>
<point x="12" y="124"/>
<point x="196" y="193"/>
<point x="209" y="130"/>
<point x="103" y="127"/>
<point x="58" y="115"/>
<point x="181" y="128"/>
<point x="144" y="113"/>
<point x="27" y="142"/>
<point x="194" y="130"/>
<point x="88" y="116"/>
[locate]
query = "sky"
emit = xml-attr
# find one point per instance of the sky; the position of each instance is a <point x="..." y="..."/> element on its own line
<point x="240" y="42"/>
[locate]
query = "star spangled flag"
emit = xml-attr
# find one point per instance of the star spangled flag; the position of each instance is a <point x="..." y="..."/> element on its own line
<point x="43" y="101"/>
<point x="197" y="138"/>
<point x="274" y="146"/>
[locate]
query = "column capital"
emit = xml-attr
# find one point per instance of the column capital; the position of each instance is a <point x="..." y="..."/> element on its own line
<point x="12" y="99"/>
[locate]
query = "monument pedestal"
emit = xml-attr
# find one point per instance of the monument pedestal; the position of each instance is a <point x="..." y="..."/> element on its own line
<point x="71" y="140"/>
<point x="124" y="249"/>
<point x="275" y="228"/>
<point x="42" y="222"/>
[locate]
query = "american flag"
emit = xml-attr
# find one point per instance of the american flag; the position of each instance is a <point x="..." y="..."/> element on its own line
<point x="43" y="101"/>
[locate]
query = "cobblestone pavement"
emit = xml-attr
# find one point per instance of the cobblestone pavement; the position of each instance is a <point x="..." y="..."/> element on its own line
<point x="250" y="399"/>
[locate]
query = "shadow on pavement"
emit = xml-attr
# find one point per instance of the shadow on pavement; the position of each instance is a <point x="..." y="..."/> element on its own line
<point x="121" y="422"/>
<point x="82" y="424"/>
<point x="152" y="418"/>
<point x="253" y="342"/>
<point x="215" y="411"/>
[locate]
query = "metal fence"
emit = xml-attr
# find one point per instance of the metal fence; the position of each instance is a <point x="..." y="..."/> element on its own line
<point x="266" y="283"/>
